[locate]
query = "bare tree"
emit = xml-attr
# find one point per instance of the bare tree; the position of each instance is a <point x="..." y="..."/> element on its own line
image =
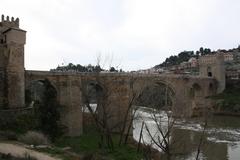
<point x="201" y="140"/>
<point x="161" y="138"/>
<point x="205" y="118"/>
<point x="104" y="114"/>
<point x="100" y="115"/>
<point x="130" y="114"/>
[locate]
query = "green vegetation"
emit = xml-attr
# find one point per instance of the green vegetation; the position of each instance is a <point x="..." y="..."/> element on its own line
<point x="12" y="125"/>
<point x="229" y="100"/>
<point x="78" y="68"/>
<point x="183" y="57"/>
<point x="48" y="114"/>
<point x="230" y="96"/>
<point x="233" y="65"/>
<point x="176" y="60"/>
<point x="186" y="55"/>
<point x="43" y="117"/>
<point x="56" y="152"/>
<point x="87" y="145"/>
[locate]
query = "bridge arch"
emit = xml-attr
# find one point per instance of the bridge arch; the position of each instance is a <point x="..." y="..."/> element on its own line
<point x="36" y="90"/>
<point x="157" y="94"/>
<point x="196" y="91"/>
<point x="92" y="94"/>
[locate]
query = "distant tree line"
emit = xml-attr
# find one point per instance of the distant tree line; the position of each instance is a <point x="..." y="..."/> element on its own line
<point x="80" y="68"/>
<point x="183" y="56"/>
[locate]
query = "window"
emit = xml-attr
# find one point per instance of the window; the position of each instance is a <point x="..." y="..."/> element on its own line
<point x="209" y="72"/>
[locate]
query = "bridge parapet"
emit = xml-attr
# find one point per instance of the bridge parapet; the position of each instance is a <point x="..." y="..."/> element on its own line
<point x="114" y="74"/>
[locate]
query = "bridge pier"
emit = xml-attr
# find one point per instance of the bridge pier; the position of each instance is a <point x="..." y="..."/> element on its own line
<point x="70" y="98"/>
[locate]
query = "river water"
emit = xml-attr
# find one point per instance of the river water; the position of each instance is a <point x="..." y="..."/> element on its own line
<point x="221" y="140"/>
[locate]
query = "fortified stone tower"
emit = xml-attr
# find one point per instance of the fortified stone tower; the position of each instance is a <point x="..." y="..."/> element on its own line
<point x="12" y="41"/>
<point x="213" y="66"/>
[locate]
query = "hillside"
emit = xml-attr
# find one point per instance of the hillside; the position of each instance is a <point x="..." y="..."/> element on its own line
<point x="186" y="55"/>
<point x="182" y="57"/>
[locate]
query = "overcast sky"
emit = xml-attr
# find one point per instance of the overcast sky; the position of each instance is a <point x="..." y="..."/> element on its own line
<point x="131" y="34"/>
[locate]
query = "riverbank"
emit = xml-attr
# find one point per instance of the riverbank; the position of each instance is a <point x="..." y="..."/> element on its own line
<point x="72" y="148"/>
<point x="224" y="113"/>
<point x="89" y="146"/>
<point x="228" y="102"/>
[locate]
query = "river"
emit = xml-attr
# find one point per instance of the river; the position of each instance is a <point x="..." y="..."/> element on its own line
<point x="221" y="140"/>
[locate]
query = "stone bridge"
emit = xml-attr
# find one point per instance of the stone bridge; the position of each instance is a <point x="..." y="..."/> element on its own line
<point x="188" y="92"/>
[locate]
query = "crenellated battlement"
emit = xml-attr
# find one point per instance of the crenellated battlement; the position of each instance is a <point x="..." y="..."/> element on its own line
<point x="9" y="22"/>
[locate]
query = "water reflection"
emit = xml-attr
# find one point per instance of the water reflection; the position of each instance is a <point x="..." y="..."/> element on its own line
<point x="220" y="142"/>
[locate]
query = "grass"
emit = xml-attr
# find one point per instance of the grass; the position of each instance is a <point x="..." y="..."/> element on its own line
<point x="229" y="95"/>
<point x="229" y="99"/>
<point x="86" y="145"/>
<point x="55" y="151"/>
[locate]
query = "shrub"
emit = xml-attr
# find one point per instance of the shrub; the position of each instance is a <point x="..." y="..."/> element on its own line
<point x="26" y="122"/>
<point x="9" y="135"/>
<point x="34" y="138"/>
<point x="47" y="113"/>
<point x="17" y="122"/>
